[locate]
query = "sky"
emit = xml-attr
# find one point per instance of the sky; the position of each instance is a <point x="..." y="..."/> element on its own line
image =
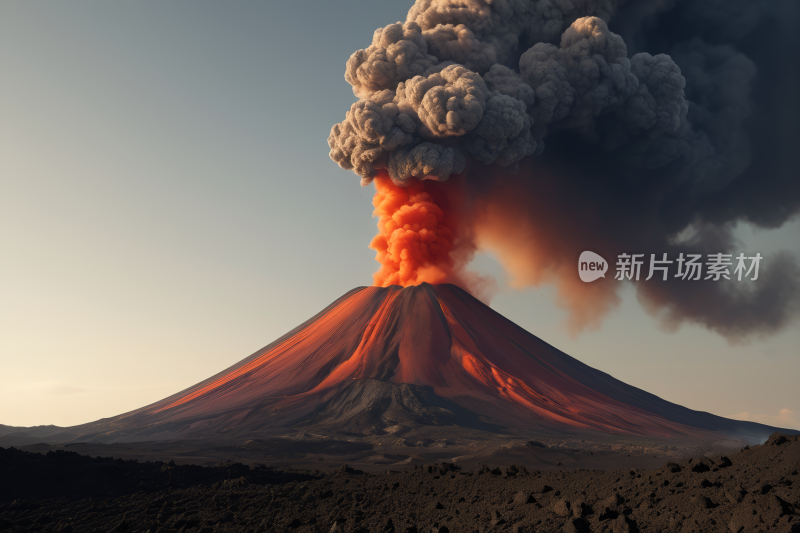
<point x="162" y="217"/>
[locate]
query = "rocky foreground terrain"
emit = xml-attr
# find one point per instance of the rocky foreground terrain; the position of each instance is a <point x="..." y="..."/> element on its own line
<point x="756" y="489"/>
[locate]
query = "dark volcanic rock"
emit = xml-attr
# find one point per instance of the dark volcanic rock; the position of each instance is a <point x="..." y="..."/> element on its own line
<point x="524" y="497"/>
<point x="735" y="495"/>
<point x="497" y="520"/>
<point x="606" y="513"/>
<point x="724" y="462"/>
<point x="623" y="525"/>
<point x="776" y="439"/>
<point x="702" y="502"/>
<point x="562" y="507"/>
<point x="69" y="493"/>
<point x="701" y="465"/>
<point x="580" y="509"/>
<point x="577" y="525"/>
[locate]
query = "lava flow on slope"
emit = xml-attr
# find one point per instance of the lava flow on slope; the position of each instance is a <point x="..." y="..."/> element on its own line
<point x="426" y="354"/>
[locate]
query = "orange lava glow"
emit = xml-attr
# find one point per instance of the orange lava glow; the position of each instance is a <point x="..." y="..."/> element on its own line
<point x="416" y="237"/>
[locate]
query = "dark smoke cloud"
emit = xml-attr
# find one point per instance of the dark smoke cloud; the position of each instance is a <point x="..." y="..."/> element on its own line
<point x="661" y="118"/>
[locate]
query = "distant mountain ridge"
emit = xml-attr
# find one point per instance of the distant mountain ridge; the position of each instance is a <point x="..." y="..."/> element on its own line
<point x="34" y="431"/>
<point x="21" y="436"/>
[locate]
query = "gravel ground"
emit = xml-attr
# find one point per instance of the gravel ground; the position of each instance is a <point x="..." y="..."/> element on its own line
<point x="754" y="490"/>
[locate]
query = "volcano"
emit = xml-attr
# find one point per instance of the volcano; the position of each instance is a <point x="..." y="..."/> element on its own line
<point x="378" y="359"/>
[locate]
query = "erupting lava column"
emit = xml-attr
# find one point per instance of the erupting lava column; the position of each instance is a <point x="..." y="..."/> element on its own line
<point x="415" y="234"/>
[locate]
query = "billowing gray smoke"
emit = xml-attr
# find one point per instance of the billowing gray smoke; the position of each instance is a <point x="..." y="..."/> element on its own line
<point x="484" y="81"/>
<point x="664" y="114"/>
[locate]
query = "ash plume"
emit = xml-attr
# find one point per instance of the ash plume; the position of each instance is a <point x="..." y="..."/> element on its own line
<point x="597" y="124"/>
